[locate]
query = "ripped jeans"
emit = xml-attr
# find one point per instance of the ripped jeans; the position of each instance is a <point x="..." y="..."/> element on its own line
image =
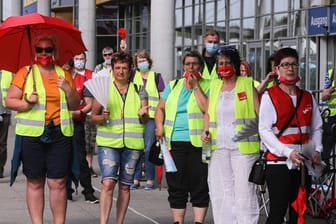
<point x="118" y="164"/>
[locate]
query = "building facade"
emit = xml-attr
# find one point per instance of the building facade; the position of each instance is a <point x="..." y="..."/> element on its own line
<point x="167" y="28"/>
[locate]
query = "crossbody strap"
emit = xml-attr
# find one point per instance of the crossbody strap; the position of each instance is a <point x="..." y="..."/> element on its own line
<point x="292" y="116"/>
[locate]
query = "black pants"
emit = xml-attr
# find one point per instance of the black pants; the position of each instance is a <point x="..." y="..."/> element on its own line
<point x="328" y="140"/>
<point x="190" y="178"/>
<point x="283" y="186"/>
<point x="85" y="176"/>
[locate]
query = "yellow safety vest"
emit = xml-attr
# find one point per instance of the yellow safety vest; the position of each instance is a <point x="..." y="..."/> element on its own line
<point x="195" y="115"/>
<point x="151" y="89"/>
<point x="206" y="73"/>
<point x="244" y="111"/>
<point x="124" y="128"/>
<point x="5" y="81"/>
<point x="31" y="122"/>
<point x="332" y="99"/>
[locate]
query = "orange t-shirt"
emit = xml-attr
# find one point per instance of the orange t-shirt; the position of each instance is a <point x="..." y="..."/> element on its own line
<point x="52" y="93"/>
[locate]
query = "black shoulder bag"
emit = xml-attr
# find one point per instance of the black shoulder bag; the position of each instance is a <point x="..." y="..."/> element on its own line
<point x="258" y="170"/>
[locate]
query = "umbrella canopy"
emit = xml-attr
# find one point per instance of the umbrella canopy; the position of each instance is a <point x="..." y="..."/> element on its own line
<point x="159" y="170"/>
<point x="300" y="203"/>
<point x="17" y="34"/>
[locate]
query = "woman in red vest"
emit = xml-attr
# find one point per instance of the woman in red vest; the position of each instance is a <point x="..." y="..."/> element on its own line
<point x="289" y="118"/>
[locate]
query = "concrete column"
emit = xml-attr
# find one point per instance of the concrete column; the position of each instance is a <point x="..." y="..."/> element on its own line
<point x="43" y="7"/>
<point x="162" y="37"/>
<point x="11" y="8"/>
<point x="87" y="25"/>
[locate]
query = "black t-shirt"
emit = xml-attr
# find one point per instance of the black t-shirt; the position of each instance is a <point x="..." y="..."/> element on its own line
<point x="210" y="62"/>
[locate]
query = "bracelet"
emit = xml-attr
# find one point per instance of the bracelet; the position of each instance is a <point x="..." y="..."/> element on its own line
<point x="196" y="87"/>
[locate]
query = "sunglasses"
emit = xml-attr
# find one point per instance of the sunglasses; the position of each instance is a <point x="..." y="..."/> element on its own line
<point x="45" y="49"/>
<point x="108" y="54"/>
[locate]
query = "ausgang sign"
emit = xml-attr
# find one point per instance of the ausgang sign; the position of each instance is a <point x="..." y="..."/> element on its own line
<point x="318" y="21"/>
<point x="332" y="20"/>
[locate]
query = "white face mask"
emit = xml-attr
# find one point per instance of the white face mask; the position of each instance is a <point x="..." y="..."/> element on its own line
<point x="79" y="64"/>
<point x="107" y="61"/>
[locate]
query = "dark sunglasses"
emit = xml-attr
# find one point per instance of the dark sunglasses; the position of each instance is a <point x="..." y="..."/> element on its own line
<point x="45" y="49"/>
<point x="108" y="54"/>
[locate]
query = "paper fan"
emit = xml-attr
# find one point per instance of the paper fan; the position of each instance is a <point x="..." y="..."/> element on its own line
<point x="99" y="87"/>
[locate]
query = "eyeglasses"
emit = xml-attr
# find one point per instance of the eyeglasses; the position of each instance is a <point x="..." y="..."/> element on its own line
<point x="45" y="49"/>
<point x="286" y="65"/>
<point x="191" y="63"/>
<point x="107" y="54"/>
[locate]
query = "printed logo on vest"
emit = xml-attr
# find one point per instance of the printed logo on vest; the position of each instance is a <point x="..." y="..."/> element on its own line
<point x="242" y="96"/>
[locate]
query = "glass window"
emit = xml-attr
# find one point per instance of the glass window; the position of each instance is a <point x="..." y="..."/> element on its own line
<point x="178" y="18"/>
<point x="234" y="30"/>
<point x="220" y="10"/>
<point x="299" y="25"/>
<point x="264" y="6"/>
<point x="248" y="8"/>
<point x="234" y="9"/>
<point x="280" y="25"/>
<point x="280" y="6"/>
<point x="178" y="4"/>
<point x="188" y="20"/>
<point x="106" y="11"/>
<point x="248" y="29"/>
<point x="105" y="27"/>
<point x="316" y="2"/>
<point x="265" y="27"/>
<point x="210" y="12"/>
<point x="188" y="2"/>
<point x="296" y="4"/>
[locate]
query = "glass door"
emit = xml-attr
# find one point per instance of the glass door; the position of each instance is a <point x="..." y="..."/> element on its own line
<point x="255" y="55"/>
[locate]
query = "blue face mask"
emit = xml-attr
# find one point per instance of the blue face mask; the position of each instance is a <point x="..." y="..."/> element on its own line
<point x="211" y="48"/>
<point x="143" y="66"/>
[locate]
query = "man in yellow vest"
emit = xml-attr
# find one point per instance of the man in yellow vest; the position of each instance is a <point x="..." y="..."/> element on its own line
<point x="211" y="45"/>
<point x="329" y="128"/>
<point x="5" y="114"/>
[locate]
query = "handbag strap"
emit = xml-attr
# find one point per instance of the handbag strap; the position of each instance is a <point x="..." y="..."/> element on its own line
<point x="292" y="115"/>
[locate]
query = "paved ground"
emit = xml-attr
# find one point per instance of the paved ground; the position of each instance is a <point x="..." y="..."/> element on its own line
<point x="146" y="207"/>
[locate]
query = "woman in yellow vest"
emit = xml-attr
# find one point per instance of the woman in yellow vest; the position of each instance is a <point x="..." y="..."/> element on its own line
<point x="5" y="118"/>
<point x="232" y="103"/>
<point x="179" y="118"/>
<point x="120" y="140"/>
<point x="154" y="85"/>
<point x="44" y="128"/>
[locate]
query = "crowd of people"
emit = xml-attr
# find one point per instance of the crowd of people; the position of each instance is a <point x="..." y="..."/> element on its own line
<point x="60" y="125"/>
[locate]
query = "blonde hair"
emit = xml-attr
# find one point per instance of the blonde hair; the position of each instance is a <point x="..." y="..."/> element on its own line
<point x="247" y="66"/>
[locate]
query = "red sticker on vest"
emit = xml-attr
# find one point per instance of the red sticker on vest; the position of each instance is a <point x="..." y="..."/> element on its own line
<point x="242" y="96"/>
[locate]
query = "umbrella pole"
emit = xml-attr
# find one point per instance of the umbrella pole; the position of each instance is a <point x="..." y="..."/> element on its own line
<point x="303" y="175"/>
<point x="31" y="63"/>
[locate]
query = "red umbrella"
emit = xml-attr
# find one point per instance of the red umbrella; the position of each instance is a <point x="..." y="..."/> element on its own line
<point x="17" y="34"/>
<point x="159" y="170"/>
<point x="300" y="203"/>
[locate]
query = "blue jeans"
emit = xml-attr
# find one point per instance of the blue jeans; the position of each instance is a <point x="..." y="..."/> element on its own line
<point x="118" y="164"/>
<point x="149" y="137"/>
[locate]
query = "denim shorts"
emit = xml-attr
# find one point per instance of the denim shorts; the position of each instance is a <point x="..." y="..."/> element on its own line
<point x="118" y="164"/>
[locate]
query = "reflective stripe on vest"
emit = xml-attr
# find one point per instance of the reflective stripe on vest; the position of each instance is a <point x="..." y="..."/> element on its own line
<point x="122" y="131"/>
<point x="31" y="122"/>
<point x="151" y="89"/>
<point x="244" y="113"/>
<point x="293" y="135"/>
<point x="195" y="115"/>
